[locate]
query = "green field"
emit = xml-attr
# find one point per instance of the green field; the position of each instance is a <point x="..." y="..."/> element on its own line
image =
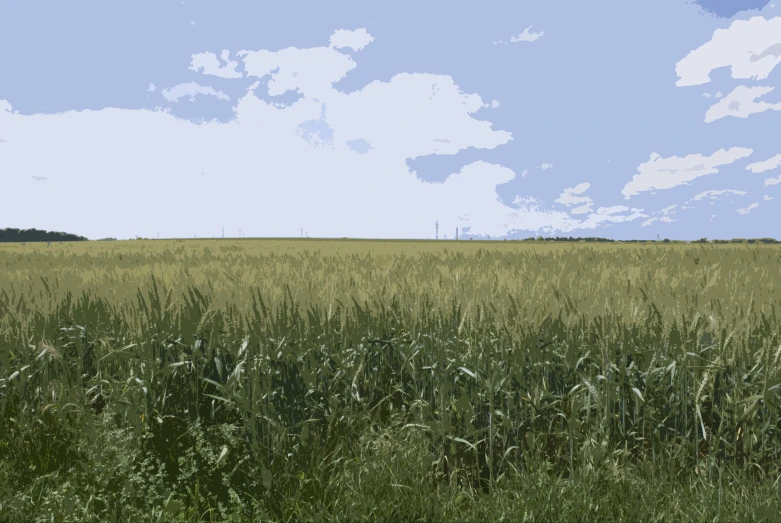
<point x="312" y="380"/>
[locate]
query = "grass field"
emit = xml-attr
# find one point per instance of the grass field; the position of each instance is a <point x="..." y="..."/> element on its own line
<point x="308" y="380"/>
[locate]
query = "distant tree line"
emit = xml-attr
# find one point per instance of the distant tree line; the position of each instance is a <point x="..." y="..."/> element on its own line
<point x="566" y="239"/>
<point x="34" y="235"/>
<point x="701" y="240"/>
<point x="741" y="240"/>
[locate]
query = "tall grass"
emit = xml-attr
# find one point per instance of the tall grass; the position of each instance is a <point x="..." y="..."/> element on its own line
<point x="414" y="406"/>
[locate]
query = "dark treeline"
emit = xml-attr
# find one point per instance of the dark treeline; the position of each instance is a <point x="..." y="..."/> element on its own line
<point x="34" y="235"/>
<point x="701" y="240"/>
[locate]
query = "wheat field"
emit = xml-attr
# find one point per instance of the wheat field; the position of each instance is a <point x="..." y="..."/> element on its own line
<point x="326" y="380"/>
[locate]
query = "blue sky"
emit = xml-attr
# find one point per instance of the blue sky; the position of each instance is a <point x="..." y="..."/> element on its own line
<point x="502" y="119"/>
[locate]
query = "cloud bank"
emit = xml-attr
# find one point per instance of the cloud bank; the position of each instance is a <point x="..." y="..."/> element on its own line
<point x="334" y="163"/>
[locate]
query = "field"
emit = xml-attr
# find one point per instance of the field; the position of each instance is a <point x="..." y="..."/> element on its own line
<point x="309" y="380"/>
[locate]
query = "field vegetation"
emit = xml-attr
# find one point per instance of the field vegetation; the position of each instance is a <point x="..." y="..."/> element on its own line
<point x="306" y="380"/>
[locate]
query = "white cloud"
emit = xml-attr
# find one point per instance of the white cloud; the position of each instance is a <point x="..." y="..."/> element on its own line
<point x="270" y="173"/>
<point x="665" y="219"/>
<point x="212" y="66"/>
<point x="612" y="210"/>
<point x="741" y="103"/>
<point x="713" y="195"/>
<point x="579" y="188"/>
<point x="564" y="223"/>
<point x="524" y="200"/>
<point x="718" y="94"/>
<point x="526" y="36"/>
<point x="705" y="95"/>
<point x="192" y="89"/>
<point x="151" y="88"/>
<point x="494" y="104"/>
<point x="770" y="163"/>
<point x="751" y="48"/>
<point x="772" y="181"/>
<point x="608" y="214"/>
<point x="403" y="116"/>
<point x="524" y="173"/>
<point x="546" y="166"/>
<point x="355" y="40"/>
<point x="766" y="197"/>
<point x="666" y="173"/>
<point x="748" y="209"/>
<point x="311" y="71"/>
<point x="569" y="198"/>
<point x="666" y="211"/>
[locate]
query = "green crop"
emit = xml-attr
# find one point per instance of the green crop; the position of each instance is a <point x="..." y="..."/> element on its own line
<point x="356" y="381"/>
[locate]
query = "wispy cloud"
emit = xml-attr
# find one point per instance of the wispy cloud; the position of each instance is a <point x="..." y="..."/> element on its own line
<point x="666" y="173"/>
<point x="569" y="197"/>
<point x="610" y="215"/>
<point x="525" y="36"/>
<point x="713" y="194"/>
<point x="741" y="103"/>
<point x="665" y="219"/>
<point x="770" y="163"/>
<point x="191" y="89"/>
<point x="748" y="209"/>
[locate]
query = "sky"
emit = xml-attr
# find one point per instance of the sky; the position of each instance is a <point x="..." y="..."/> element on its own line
<point x="497" y="119"/>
